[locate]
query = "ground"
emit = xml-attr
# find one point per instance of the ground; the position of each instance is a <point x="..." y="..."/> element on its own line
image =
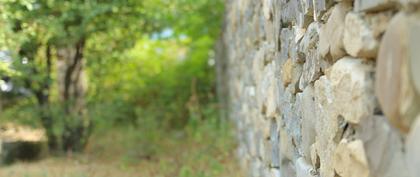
<point x="133" y="153"/>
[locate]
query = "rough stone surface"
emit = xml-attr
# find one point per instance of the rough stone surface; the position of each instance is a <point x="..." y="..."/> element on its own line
<point x="331" y="34"/>
<point x="323" y="88"/>
<point x="400" y="101"/>
<point x="361" y="33"/>
<point x="350" y="159"/>
<point x="373" y="5"/>
<point x="352" y="84"/>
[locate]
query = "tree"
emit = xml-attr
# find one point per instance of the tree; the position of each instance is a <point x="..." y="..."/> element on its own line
<point x="55" y="32"/>
<point x="53" y="41"/>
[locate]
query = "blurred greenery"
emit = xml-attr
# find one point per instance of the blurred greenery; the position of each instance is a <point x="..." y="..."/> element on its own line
<point x="149" y="65"/>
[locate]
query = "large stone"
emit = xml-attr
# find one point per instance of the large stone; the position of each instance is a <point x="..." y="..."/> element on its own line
<point x="352" y="84"/>
<point x="413" y="48"/>
<point x="350" y="159"/>
<point x="331" y="34"/>
<point x="394" y="87"/>
<point x="361" y="34"/>
<point x="326" y="127"/>
<point x="307" y="109"/>
<point x="374" y="5"/>
<point x="383" y="147"/>
<point x="413" y="149"/>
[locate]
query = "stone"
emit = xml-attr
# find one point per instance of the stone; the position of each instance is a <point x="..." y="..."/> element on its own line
<point x="331" y="34"/>
<point x="359" y="40"/>
<point x="304" y="169"/>
<point x="308" y="50"/>
<point x="307" y="109"/>
<point x="326" y="126"/>
<point x="286" y="145"/>
<point x="268" y="9"/>
<point x="352" y="84"/>
<point x="413" y="149"/>
<point x="290" y="73"/>
<point x="414" y="63"/>
<point x="350" y="159"/>
<point x="373" y="5"/>
<point x="320" y="7"/>
<point x="286" y="72"/>
<point x="302" y="79"/>
<point x="394" y="87"/>
<point x="383" y="147"/>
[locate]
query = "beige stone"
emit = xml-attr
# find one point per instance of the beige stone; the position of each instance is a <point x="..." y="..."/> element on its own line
<point x="331" y="34"/>
<point x="359" y="40"/>
<point x="290" y="73"/>
<point x="374" y="5"/>
<point x="350" y="159"/>
<point x="326" y="126"/>
<point x="394" y="87"/>
<point x="352" y="84"/>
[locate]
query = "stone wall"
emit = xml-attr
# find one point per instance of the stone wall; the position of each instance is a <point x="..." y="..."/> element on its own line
<point x="322" y="87"/>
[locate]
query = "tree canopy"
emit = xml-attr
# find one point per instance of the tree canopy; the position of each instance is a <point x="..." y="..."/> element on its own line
<point x="82" y="63"/>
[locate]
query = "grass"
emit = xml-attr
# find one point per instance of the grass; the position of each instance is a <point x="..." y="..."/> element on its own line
<point x="204" y="150"/>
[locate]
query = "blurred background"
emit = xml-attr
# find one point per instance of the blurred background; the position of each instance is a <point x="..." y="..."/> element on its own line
<point x="111" y="88"/>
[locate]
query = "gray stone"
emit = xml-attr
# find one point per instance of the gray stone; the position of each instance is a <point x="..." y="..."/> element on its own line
<point x="304" y="169"/>
<point x="413" y="149"/>
<point x="307" y="109"/>
<point x="309" y="51"/>
<point x="383" y="147"/>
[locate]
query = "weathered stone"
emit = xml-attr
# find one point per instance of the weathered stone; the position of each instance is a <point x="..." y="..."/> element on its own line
<point x="308" y="51"/>
<point x="320" y="7"/>
<point x="286" y="145"/>
<point x="303" y="169"/>
<point x="306" y="99"/>
<point x="268" y="9"/>
<point x="352" y="84"/>
<point x="394" y="88"/>
<point x="291" y="72"/>
<point x="295" y="94"/>
<point x="326" y="126"/>
<point x="358" y="37"/>
<point x="331" y="34"/>
<point x="413" y="149"/>
<point x="373" y="5"/>
<point x="288" y="45"/>
<point x="350" y="159"/>
<point x="413" y="48"/>
<point x="383" y="147"/>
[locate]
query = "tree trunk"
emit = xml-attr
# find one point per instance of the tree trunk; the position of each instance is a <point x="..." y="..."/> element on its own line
<point x="72" y="89"/>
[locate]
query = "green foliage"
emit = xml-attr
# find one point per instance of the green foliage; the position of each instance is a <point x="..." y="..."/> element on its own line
<point x="149" y="63"/>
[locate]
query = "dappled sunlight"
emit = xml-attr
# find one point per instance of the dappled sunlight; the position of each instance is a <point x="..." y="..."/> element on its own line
<point x="112" y="88"/>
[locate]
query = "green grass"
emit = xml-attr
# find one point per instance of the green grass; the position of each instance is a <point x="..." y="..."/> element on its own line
<point x="204" y="150"/>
